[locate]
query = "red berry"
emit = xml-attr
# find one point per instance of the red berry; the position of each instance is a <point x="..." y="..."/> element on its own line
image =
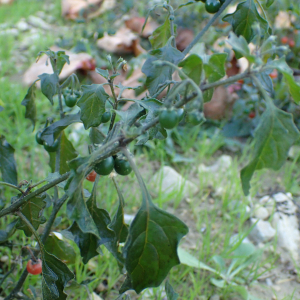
<point x="34" y="267"/>
<point x="291" y="43"/>
<point x="241" y="81"/>
<point x="284" y="40"/>
<point x="92" y="176"/>
<point x="274" y="74"/>
<point x="251" y="115"/>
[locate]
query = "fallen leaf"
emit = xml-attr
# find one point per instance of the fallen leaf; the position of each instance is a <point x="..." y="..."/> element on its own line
<point x="123" y="42"/>
<point x="78" y="61"/>
<point x="184" y="38"/>
<point x="220" y="105"/>
<point x="73" y="9"/>
<point x="136" y="25"/>
<point x="283" y="20"/>
<point x="6" y="1"/>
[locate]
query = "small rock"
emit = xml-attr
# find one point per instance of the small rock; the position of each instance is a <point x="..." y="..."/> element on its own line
<point x="222" y="164"/>
<point x="262" y="232"/>
<point x="4" y="258"/>
<point x="101" y="287"/>
<point x="214" y="297"/>
<point x="169" y="181"/>
<point x="12" y="32"/>
<point x="261" y="212"/>
<point x="288" y="233"/>
<point x="38" y="22"/>
<point x="281" y="197"/>
<point x="269" y="282"/>
<point x="128" y="218"/>
<point x="96" y="297"/>
<point x="294" y="152"/>
<point x="22" y="26"/>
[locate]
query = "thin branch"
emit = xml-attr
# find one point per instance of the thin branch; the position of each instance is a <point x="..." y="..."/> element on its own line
<point x="38" y="183"/>
<point x="29" y="225"/>
<point x="115" y="105"/>
<point x="7" y="274"/>
<point x="11" y="186"/>
<point x="44" y="237"/>
<point x="59" y="203"/>
<point x="12" y="208"/>
<point x="202" y="32"/>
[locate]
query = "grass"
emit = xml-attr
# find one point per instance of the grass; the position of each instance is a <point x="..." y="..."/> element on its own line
<point x="213" y="215"/>
<point x="11" y="14"/>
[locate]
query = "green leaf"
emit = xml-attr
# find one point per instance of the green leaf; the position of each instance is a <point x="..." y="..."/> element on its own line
<point x="61" y="59"/>
<point x="67" y="153"/>
<point x="32" y="210"/>
<point x="86" y="242"/>
<point x="186" y="4"/>
<point x="266" y="82"/>
<point x="117" y="224"/>
<point x="119" y="227"/>
<point x="130" y="115"/>
<point x="77" y="211"/>
<point x="7" y="162"/>
<point x="152" y="107"/>
<point x="240" y="46"/>
<point x="89" y="243"/>
<point x="29" y="103"/>
<point x="103" y="73"/>
<point x="92" y="104"/>
<point x="161" y="35"/>
<point x="269" y="3"/>
<point x="57" y="59"/>
<point x="171" y="294"/>
<point x="60" y="248"/>
<point x="51" y="133"/>
<point x="214" y="68"/>
<point x="273" y="137"/>
<point x="243" y="18"/>
<point x="95" y="136"/>
<point x="49" y="83"/>
<point x="281" y="66"/>
<point x="56" y="275"/>
<point x="192" y="66"/>
<point x="151" y="248"/>
<point x="8" y="232"/>
<point x="189" y="260"/>
<point x="157" y="75"/>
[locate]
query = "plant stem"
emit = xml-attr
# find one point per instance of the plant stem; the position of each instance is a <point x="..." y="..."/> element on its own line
<point x="56" y="207"/>
<point x="44" y="237"/>
<point x="12" y="208"/>
<point x="38" y="183"/>
<point x="133" y="166"/>
<point x="115" y="105"/>
<point x="7" y="274"/>
<point x="25" y="220"/>
<point x="12" y="186"/>
<point x="18" y="286"/>
<point x="202" y="32"/>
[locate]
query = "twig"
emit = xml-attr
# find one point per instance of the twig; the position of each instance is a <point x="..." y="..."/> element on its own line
<point x="201" y="33"/>
<point x="12" y="208"/>
<point x="44" y="237"/>
<point x="12" y="186"/>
